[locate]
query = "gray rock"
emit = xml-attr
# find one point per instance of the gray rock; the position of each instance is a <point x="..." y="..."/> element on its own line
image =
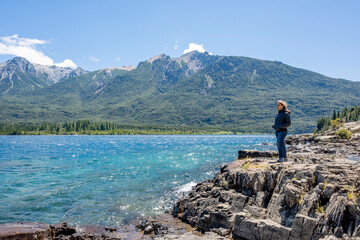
<point x="222" y="231"/>
<point x="257" y="212"/>
<point x="261" y="198"/>
<point x="191" y="236"/>
<point x="256" y="154"/>
<point x="328" y="191"/>
<point x="310" y="201"/>
<point x="238" y="202"/>
<point x="275" y="207"/>
<point x="149" y="229"/>
<point x="246" y="227"/>
<point x="292" y="194"/>
<point x="303" y="227"/>
<point x="220" y="219"/>
<point x="335" y="211"/>
<point x="31" y="231"/>
<point x="62" y="229"/>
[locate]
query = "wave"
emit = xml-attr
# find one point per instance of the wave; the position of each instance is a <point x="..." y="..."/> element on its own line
<point x="183" y="189"/>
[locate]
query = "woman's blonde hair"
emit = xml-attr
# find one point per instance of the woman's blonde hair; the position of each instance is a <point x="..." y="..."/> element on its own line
<point x="284" y="104"/>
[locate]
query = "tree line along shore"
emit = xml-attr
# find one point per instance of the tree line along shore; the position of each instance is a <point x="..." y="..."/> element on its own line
<point x="88" y="127"/>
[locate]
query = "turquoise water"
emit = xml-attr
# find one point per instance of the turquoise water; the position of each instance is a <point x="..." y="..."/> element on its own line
<point x="107" y="180"/>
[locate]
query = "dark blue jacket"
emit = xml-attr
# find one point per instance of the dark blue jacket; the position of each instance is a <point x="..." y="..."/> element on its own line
<point x="282" y="121"/>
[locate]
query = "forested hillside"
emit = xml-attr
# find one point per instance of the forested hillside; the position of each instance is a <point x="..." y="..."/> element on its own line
<point x="196" y="90"/>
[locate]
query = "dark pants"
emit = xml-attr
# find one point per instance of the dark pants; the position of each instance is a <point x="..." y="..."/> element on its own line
<point x="280" y="136"/>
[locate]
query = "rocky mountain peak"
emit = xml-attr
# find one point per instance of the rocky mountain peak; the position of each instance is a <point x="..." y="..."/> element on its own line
<point x="55" y="73"/>
<point x="18" y="60"/>
<point x="159" y="57"/>
<point x="127" y="68"/>
<point x="194" y="53"/>
<point x="19" y="63"/>
<point x="73" y="73"/>
<point x="197" y="61"/>
<point x="47" y="74"/>
<point x="77" y="71"/>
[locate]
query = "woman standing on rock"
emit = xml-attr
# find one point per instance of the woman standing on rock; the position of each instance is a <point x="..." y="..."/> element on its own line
<point x="282" y="122"/>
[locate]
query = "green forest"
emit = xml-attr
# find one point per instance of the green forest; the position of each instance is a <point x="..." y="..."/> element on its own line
<point x="87" y="127"/>
<point x="338" y="117"/>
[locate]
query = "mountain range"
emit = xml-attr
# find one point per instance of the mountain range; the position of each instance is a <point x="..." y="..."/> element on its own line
<point x="19" y="75"/>
<point x="196" y="89"/>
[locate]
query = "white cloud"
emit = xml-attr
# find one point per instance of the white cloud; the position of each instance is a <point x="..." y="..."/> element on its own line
<point x="94" y="59"/>
<point x="195" y="47"/>
<point x="117" y="58"/>
<point x="67" y="63"/>
<point x="26" y="48"/>
<point x="14" y="39"/>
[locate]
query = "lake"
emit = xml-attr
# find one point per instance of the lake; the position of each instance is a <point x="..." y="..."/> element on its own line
<point x="107" y="180"/>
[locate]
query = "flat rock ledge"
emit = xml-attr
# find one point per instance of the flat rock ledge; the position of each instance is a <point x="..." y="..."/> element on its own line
<point x="30" y="231"/>
<point x="314" y="195"/>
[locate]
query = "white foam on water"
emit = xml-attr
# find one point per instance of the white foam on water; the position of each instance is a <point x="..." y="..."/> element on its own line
<point x="185" y="188"/>
<point x="79" y="229"/>
<point x="169" y="198"/>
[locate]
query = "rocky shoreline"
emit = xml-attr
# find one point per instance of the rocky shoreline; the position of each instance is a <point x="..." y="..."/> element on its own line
<point x="314" y="195"/>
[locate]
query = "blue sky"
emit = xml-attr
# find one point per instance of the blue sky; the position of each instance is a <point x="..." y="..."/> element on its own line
<point x="322" y="35"/>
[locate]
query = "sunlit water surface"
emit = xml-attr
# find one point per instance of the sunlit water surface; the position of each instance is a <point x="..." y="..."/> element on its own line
<point x="107" y="180"/>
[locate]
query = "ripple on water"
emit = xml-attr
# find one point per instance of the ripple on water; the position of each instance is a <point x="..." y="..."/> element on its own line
<point x="105" y="180"/>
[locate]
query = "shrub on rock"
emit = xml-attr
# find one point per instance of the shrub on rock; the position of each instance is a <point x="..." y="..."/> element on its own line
<point x="343" y="133"/>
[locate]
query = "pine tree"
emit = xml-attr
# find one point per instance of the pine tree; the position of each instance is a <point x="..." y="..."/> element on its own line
<point x="334" y="115"/>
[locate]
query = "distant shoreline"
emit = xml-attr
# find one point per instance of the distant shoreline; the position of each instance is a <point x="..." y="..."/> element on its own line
<point x="87" y="127"/>
<point x="151" y="134"/>
<point x="79" y="134"/>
